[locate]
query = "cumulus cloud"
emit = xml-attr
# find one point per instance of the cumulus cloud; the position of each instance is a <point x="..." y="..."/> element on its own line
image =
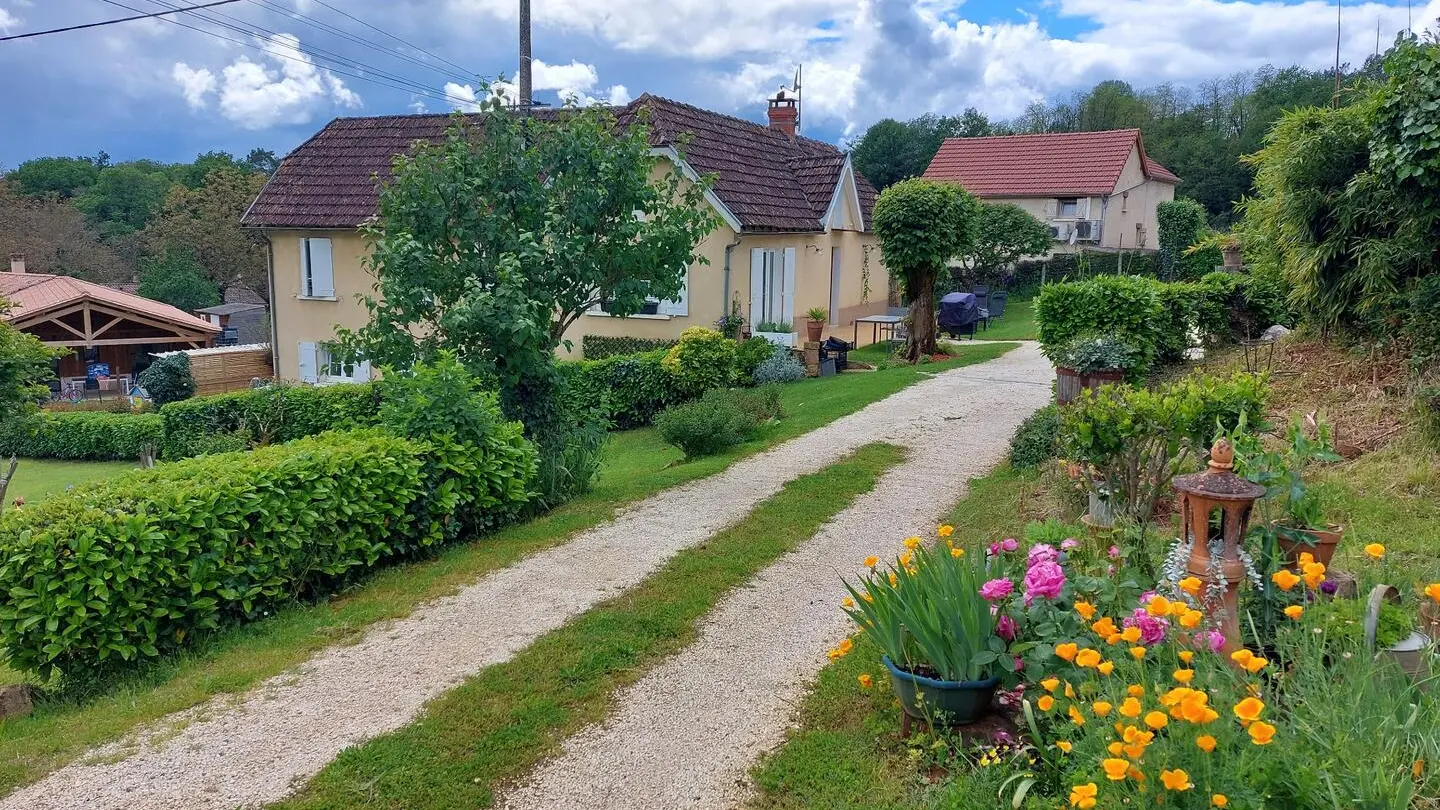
<point x="8" y="21"/>
<point x="287" y="87"/>
<point x="574" y="81"/>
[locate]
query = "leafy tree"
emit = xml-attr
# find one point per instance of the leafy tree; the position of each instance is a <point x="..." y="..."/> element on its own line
<point x="1112" y="105"/>
<point x="891" y="151"/>
<point x="53" y="237"/>
<point x="922" y="225"/>
<point x="492" y="243"/>
<point x="204" y="223"/>
<point x="178" y="280"/>
<point x="1004" y="234"/>
<point x="262" y="160"/>
<point x="26" y="365"/>
<point x="124" y="197"/>
<point x="168" y="379"/>
<point x="1182" y="224"/>
<point x="64" y="177"/>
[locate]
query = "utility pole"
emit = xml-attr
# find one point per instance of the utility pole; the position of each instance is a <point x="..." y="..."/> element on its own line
<point x="525" y="101"/>
<point x="1335" y="99"/>
<point x="800" y="100"/>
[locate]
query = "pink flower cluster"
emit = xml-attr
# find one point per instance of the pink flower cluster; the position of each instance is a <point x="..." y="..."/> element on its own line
<point x="996" y="589"/>
<point x="1006" y="545"/>
<point x="1212" y="640"/>
<point x="1152" y="628"/>
<point x="1044" y="578"/>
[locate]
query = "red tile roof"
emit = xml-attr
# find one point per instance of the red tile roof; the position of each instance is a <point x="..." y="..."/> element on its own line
<point x="1050" y="165"/>
<point x="32" y="293"/>
<point x="767" y="180"/>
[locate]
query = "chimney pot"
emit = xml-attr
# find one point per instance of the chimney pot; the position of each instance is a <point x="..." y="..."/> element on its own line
<point x="784" y="114"/>
<point x="17" y="262"/>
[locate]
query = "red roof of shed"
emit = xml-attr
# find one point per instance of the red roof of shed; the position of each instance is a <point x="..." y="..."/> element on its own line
<point x="1049" y="165"/>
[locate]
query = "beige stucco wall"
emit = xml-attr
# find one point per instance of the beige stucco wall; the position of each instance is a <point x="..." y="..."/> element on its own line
<point x="312" y="320"/>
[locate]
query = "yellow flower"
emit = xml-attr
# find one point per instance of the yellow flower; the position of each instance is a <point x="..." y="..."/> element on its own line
<point x="1285" y="579"/>
<point x="1158" y="606"/>
<point x="1295" y="612"/>
<point x="1176" y="780"/>
<point x="1135" y="690"/>
<point x="1255" y="664"/>
<point x="1106" y="667"/>
<point x="1064" y="745"/>
<point x="1314" y="575"/>
<point x="1417" y="770"/>
<point x="1085" y="609"/>
<point x="1050" y="684"/>
<point x="1183" y="675"/>
<point x="906" y="558"/>
<point x="1069" y="691"/>
<point x="1433" y="591"/>
<point x="1190" y="585"/>
<point x="1241" y="656"/>
<point x="1105" y="627"/>
<point x="912" y="543"/>
<point x="872" y="561"/>
<point x="1156" y="720"/>
<point x="893" y="580"/>
<point x="1046" y="703"/>
<point x="1206" y="743"/>
<point x="1261" y="733"/>
<point x="867" y="597"/>
<point x="1115" y="769"/>
<point x="1249" y="708"/>
<point x="957" y="552"/>
<point x="1130" y="707"/>
<point x="1114" y="638"/>
<point x="1115" y="749"/>
<point x="1191" y="619"/>
<point x="1375" y="550"/>
<point x="1186" y="656"/>
<point x="1067" y="650"/>
<point x="1076" y="717"/>
<point x="866" y="681"/>
<point x="1137" y="652"/>
<point x="1083" y="796"/>
<point x="945" y="530"/>
<point x="1101" y="708"/>
<point x="1087" y="658"/>
<point x="1130" y="635"/>
<point x="847" y="602"/>
<point x="1219" y="800"/>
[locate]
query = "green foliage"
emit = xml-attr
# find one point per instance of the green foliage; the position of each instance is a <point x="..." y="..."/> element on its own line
<point x="599" y="347"/>
<point x="749" y="355"/>
<point x="262" y="416"/>
<point x="818" y="314"/>
<point x="1034" y="443"/>
<point x="1403" y="143"/>
<point x="1343" y="621"/>
<point x="1283" y="472"/>
<point x="1090" y="353"/>
<point x="25" y="367"/>
<point x="1244" y="305"/>
<point x="179" y="281"/>
<point x="630" y="389"/>
<point x="761" y="402"/>
<point x="781" y="327"/>
<point x="1004" y="234"/>
<point x="124" y="197"/>
<point x="1182" y="224"/>
<point x="1126" y="307"/>
<point x="780" y="367"/>
<point x="1422" y="323"/>
<point x="120" y="572"/>
<point x="703" y="359"/>
<point x="707" y="426"/>
<point x="64" y="177"/>
<point x="168" y="379"/>
<point x="80" y="435"/>
<point x="891" y="151"/>
<point x="1081" y="266"/>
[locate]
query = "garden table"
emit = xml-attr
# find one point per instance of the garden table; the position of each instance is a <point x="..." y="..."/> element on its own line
<point x="888" y="322"/>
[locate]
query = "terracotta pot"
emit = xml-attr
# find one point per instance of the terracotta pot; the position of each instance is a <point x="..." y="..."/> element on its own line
<point x="813" y="329"/>
<point x="1326" y="540"/>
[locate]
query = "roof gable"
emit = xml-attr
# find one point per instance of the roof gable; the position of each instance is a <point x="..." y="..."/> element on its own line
<point x="1048" y="165"/>
<point x="768" y="181"/>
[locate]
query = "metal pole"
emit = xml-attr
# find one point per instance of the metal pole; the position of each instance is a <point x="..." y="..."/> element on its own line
<point x="525" y="100"/>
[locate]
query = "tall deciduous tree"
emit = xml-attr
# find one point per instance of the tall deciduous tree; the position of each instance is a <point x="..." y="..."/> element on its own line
<point x="205" y="223"/>
<point x="178" y="280"/>
<point x="922" y="225"/>
<point x="1004" y="234"/>
<point x="891" y="151"/>
<point x="53" y="237"/>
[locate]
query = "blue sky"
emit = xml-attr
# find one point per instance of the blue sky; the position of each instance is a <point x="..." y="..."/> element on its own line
<point x="153" y="89"/>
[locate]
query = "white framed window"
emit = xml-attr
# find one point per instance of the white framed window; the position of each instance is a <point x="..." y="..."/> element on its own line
<point x="319" y="365"/>
<point x="1069" y="207"/>
<point x="654" y="307"/>
<point x="772" y="285"/>
<point x="317" y="268"/>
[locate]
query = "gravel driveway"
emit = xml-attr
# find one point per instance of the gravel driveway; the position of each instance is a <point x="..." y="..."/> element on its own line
<point x="253" y="749"/>
<point x="686" y="734"/>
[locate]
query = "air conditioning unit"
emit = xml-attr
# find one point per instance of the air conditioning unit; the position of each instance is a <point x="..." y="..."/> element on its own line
<point x="1060" y="231"/>
<point x="1087" y="230"/>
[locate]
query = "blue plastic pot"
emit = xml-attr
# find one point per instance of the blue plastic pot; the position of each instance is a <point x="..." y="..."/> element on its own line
<point x="955" y="703"/>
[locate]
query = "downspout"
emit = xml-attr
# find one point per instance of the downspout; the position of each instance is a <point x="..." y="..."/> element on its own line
<point x="725" y="296"/>
<point x="270" y="301"/>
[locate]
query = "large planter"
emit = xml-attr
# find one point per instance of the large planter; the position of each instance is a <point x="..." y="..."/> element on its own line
<point x="1410" y="652"/>
<point x="813" y="330"/>
<point x="1071" y="382"/>
<point x="1323" y="549"/>
<point x="1233" y="257"/>
<point x="955" y="703"/>
<point x="786" y="339"/>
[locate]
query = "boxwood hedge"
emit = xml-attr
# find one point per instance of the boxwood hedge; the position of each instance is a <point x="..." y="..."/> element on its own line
<point x="279" y="413"/>
<point x="80" y="435"/>
<point x="630" y="390"/>
<point x="124" y="570"/>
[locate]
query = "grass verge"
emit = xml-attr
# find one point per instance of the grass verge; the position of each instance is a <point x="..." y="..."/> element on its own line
<point x="637" y="464"/>
<point x="37" y="478"/>
<point x="501" y="722"/>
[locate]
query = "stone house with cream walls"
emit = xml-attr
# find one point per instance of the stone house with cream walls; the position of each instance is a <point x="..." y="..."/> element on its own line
<point x="1094" y="189"/>
<point x="794" y="229"/>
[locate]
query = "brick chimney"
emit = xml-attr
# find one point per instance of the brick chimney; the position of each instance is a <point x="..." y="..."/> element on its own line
<point x="17" y="262"/>
<point x="784" y="114"/>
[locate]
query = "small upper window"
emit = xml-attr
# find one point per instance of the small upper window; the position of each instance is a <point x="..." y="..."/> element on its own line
<point x="1069" y="207"/>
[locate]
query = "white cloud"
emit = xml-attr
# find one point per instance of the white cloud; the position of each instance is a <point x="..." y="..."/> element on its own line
<point x="286" y="88"/>
<point x="569" y="82"/>
<point x="8" y="21"/>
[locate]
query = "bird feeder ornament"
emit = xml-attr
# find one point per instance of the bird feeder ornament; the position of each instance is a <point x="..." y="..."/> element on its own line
<point x="1215" y="510"/>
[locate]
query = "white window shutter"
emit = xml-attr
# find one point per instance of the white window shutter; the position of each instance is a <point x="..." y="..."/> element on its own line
<point x="787" y="290"/>
<point x="309" y="363"/>
<point x="681" y="304"/>
<point x="306" y="284"/>
<point x="362" y="371"/>
<point x="757" y="286"/>
<point x="322" y="268"/>
<point x="1052" y="209"/>
<point x="1082" y="208"/>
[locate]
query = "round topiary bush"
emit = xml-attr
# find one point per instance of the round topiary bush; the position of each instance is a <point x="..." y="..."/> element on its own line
<point x="703" y="359"/>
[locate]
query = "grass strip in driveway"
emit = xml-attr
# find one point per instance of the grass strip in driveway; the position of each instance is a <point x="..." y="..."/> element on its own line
<point x="500" y="723"/>
<point x="636" y="465"/>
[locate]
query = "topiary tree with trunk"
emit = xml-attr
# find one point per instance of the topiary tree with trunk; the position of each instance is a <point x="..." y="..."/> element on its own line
<point x="922" y="225"/>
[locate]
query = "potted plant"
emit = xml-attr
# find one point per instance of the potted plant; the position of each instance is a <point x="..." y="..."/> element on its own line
<point x="1090" y="362"/>
<point x="936" y="630"/>
<point x="816" y="323"/>
<point x="731" y="325"/>
<point x="777" y="332"/>
<point x="1231" y="248"/>
<point x="1300" y="524"/>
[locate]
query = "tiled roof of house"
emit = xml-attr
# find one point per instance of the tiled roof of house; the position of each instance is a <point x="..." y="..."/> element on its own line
<point x="1050" y="165"/>
<point x="769" y="181"/>
<point x="32" y="293"/>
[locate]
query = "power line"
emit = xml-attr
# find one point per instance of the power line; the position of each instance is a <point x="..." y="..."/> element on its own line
<point x="120" y="20"/>
<point x="464" y="71"/>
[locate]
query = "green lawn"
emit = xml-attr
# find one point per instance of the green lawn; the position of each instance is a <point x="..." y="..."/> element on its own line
<point x="1017" y="324"/>
<point x="38" y="478"/>
<point x="636" y="464"/>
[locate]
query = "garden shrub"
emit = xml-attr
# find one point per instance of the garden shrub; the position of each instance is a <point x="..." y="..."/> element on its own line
<point x="168" y="379"/>
<point x="122" y="571"/>
<point x="705" y="427"/>
<point x="703" y="359"/>
<point x="599" y="347"/>
<point x="762" y="402"/>
<point x="629" y="390"/>
<point x="1034" y="443"/>
<point x="277" y="413"/>
<point x="1127" y="307"/>
<point x="780" y="367"/>
<point x="81" y="435"/>
<point x="1182" y="224"/>
<point x="1422" y="321"/>
<point x="1241" y="306"/>
<point x="749" y="355"/>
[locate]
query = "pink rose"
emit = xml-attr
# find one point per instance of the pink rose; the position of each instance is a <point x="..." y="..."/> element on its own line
<point x="996" y="589"/>
<point x="1152" y="628"/>
<point x="1042" y="552"/>
<point x="1044" y="580"/>
<point x="1006" y="628"/>
<point x="1114" y="552"/>
<point x="1213" y="640"/>
<point x="1069" y="543"/>
<point x="1009" y="544"/>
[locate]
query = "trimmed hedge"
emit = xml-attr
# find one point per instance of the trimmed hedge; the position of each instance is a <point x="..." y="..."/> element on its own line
<point x="121" y="571"/>
<point x="81" y="435"/>
<point x="599" y="347"/>
<point x="629" y="390"/>
<point x="279" y="413"/>
<point x="1064" y="267"/>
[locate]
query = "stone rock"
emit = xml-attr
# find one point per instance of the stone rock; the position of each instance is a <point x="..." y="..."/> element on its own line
<point x="1274" y="333"/>
<point x="15" y="701"/>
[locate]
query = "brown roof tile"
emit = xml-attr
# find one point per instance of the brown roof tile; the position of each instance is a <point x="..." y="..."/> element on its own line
<point x="767" y="180"/>
<point x="1048" y="165"/>
<point x="32" y="293"/>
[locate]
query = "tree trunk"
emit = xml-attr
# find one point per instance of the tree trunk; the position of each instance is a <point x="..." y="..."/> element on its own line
<point x="922" y="321"/>
<point x="5" y="480"/>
